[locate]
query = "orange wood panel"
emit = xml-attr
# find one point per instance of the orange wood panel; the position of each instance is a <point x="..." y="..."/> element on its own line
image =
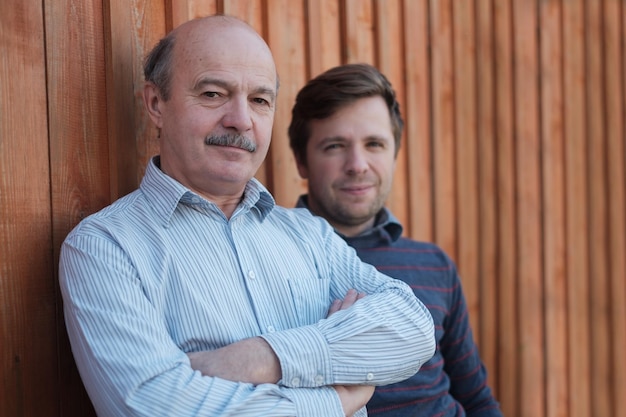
<point x="180" y="11"/>
<point x="487" y="191"/>
<point x="508" y="352"/>
<point x="598" y="249"/>
<point x="417" y="113"/>
<point x="358" y="29"/>
<point x="78" y="136"/>
<point x="133" y="136"/>
<point x="553" y="167"/>
<point x="249" y="10"/>
<point x="614" y="76"/>
<point x="323" y="36"/>
<point x="442" y="81"/>
<point x="286" y="37"/>
<point x="390" y="61"/>
<point x="466" y="149"/>
<point x="576" y="207"/>
<point x="27" y="288"/>
<point x="528" y="186"/>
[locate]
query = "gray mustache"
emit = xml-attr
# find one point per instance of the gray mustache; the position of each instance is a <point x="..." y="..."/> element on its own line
<point x="238" y="141"/>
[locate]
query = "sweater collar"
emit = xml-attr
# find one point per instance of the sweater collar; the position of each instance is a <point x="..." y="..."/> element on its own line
<point x="386" y="230"/>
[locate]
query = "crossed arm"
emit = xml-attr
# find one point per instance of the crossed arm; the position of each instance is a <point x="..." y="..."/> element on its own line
<point x="253" y="360"/>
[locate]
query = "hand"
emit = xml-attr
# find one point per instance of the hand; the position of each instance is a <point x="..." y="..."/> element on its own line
<point x="352" y="296"/>
<point x="353" y="397"/>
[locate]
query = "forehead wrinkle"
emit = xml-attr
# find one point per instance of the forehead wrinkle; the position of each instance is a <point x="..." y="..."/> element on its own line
<point x="204" y="81"/>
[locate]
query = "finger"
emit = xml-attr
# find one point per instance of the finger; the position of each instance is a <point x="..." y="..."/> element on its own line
<point x="349" y="299"/>
<point x="334" y="307"/>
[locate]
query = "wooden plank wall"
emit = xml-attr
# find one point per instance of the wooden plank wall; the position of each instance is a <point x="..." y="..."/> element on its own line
<point x="513" y="160"/>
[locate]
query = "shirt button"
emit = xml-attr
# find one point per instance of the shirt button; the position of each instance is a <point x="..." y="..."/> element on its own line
<point x="295" y="382"/>
<point x="271" y="329"/>
<point x="369" y="376"/>
<point x="319" y="380"/>
<point x="251" y="275"/>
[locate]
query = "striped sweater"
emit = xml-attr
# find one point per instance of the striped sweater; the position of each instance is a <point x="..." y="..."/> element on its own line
<point x="454" y="381"/>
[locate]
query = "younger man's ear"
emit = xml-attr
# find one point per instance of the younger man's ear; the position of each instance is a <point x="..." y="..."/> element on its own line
<point x="302" y="169"/>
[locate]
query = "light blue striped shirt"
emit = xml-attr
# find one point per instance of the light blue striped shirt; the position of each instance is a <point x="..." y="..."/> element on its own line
<point x="162" y="272"/>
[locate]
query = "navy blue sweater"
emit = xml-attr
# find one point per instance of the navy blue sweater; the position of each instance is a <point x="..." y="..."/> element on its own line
<point x="454" y="381"/>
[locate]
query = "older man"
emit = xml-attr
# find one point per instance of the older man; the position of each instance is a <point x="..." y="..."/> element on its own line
<point x="196" y="295"/>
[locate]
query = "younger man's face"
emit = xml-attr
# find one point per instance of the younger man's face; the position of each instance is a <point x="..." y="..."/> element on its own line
<point x="350" y="164"/>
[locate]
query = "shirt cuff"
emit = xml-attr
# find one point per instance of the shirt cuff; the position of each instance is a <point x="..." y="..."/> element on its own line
<point x="316" y="402"/>
<point x="304" y="357"/>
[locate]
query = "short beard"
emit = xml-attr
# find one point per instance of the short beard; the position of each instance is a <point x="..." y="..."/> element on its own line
<point x="233" y="139"/>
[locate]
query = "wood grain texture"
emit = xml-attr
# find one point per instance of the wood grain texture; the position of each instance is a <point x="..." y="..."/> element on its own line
<point x="553" y="195"/>
<point x="27" y="289"/>
<point x="487" y="195"/>
<point x="577" y="208"/>
<point x="133" y="136"/>
<point x="79" y="146"/>
<point x="286" y="37"/>
<point x="323" y="36"/>
<point x="466" y="150"/>
<point x="528" y="188"/>
<point x="444" y="152"/>
<point x="598" y="214"/>
<point x="390" y="60"/>
<point x="417" y="119"/>
<point x="508" y="351"/>
<point x="615" y="120"/>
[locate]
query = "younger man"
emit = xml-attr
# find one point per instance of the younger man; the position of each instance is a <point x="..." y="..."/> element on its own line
<point x="345" y="134"/>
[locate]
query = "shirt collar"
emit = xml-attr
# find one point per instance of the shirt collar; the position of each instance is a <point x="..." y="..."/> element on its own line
<point x="165" y="193"/>
<point x="386" y="228"/>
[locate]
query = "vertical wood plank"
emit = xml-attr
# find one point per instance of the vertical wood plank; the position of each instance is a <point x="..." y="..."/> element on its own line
<point x="576" y="173"/>
<point x="553" y="180"/>
<point x="615" y="78"/>
<point x="324" y="36"/>
<point x="487" y="192"/>
<point x="359" y="32"/>
<point x="508" y="362"/>
<point x="250" y="11"/>
<point x="286" y="37"/>
<point x="417" y="114"/>
<point x="445" y="220"/>
<point x="180" y="11"/>
<point x="466" y="150"/>
<point x="202" y="8"/>
<point x="598" y="247"/>
<point x="131" y="32"/>
<point x="528" y="186"/>
<point x="78" y="135"/>
<point x="27" y="288"/>
<point x="390" y="61"/>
